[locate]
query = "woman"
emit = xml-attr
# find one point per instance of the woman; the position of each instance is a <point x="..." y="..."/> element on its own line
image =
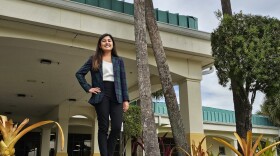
<point x="109" y="91"/>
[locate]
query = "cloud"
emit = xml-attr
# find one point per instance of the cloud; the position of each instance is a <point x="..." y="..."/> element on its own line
<point x="214" y="95"/>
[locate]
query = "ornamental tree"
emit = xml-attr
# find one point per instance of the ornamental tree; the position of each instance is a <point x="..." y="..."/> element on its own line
<point x="246" y="49"/>
<point x="271" y="108"/>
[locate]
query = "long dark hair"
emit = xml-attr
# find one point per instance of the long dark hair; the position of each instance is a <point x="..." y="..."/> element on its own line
<point x="97" y="57"/>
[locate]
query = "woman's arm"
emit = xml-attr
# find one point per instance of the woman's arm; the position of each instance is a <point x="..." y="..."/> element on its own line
<point x="123" y="82"/>
<point x="80" y="74"/>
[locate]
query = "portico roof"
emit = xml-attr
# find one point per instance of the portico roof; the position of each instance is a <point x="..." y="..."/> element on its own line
<point x="66" y="33"/>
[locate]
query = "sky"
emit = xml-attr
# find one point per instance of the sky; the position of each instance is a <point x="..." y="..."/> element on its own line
<point x="213" y="94"/>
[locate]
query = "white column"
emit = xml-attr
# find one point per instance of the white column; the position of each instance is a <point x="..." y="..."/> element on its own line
<point x="191" y="109"/>
<point x="64" y="125"/>
<point x="63" y="120"/>
<point x="128" y="148"/>
<point x="92" y="136"/>
<point x="45" y="140"/>
<point x="94" y="139"/>
<point x="190" y="106"/>
<point x="235" y="144"/>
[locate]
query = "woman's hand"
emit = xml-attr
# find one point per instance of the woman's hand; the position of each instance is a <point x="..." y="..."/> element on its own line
<point x="95" y="90"/>
<point x="125" y="106"/>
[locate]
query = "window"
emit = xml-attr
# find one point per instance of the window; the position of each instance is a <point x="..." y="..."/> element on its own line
<point x="222" y="150"/>
<point x="29" y="144"/>
<point x="79" y="144"/>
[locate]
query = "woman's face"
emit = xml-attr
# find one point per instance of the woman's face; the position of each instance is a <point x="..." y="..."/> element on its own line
<point x="106" y="44"/>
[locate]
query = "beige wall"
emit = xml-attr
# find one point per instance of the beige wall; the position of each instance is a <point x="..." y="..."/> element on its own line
<point x="80" y="130"/>
<point x="67" y="16"/>
<point x="215" y="146"/>
<point x="70" y="16"/>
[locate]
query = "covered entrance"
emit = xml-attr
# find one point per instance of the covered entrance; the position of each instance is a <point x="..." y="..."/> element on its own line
<point x="40" y="54"/>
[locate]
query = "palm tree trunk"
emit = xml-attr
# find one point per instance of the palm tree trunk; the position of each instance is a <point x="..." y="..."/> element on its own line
<point x="148" y="121"/>
<point x="166" y="80"/>
<point x="226" y="7"/>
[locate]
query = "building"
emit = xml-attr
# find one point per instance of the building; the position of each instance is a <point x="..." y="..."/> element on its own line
<point x="44" y="42"/>
<point x="220" y="123"/>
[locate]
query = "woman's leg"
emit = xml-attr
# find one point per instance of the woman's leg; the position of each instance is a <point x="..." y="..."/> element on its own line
<point x="102" y="110"/>
<point x="116" y="114"/>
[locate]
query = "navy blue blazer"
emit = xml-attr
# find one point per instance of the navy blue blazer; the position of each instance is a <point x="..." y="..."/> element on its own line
<point x="97" y="80"/>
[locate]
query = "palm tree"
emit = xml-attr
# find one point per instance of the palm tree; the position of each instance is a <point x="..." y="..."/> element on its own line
<point x="226" y="7"/>
<point x="175" y="118"/>
<point x="148" y="121"/>
<point x="12" y="133"/>
<point x="158" y="94"/>
<point x="271" y="108"/>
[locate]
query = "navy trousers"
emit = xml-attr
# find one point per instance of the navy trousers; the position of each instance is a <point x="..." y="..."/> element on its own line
<point x="108" y="107"/>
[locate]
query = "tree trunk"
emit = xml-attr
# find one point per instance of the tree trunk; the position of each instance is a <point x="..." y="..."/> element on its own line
<point x="243" y="111"/>
<point x="148" y="121"/>
<point x="166" y="80"/>
<point x="226" y="7"/>
<point x="242" y="106"/>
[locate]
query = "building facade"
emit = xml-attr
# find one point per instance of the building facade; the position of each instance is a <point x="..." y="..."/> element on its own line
<point x="44" y="42"/>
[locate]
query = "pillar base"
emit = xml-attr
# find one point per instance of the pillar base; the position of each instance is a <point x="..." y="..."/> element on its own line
<point x="61" y="154"/>
<point x="196" y="138"/>
<point x="95" y="154"/>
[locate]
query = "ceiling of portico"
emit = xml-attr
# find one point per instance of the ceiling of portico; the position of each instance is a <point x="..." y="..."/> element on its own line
<point x="46" y="86"/>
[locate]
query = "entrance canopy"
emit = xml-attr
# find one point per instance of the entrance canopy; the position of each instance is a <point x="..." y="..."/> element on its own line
<point x="43" y="45"/>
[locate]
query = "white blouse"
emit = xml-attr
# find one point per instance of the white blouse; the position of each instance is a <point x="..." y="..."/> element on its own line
<point x="107" y="69"/>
